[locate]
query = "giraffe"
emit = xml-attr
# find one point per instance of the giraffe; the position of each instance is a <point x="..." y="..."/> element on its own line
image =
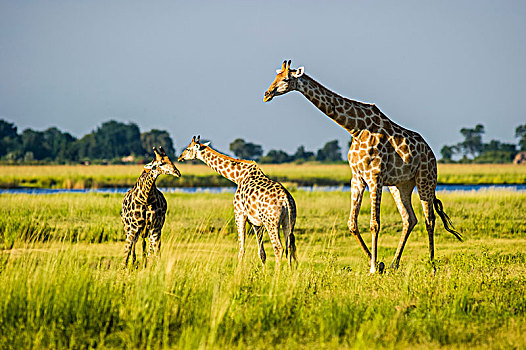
<point x="382" y="153"/>
<point x="265" y="203"/>
<point x="144" y="208"/>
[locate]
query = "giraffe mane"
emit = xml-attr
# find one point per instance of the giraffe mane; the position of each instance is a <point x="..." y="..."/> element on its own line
<point x="224" y="156"/>
<point x="368" y="104"/>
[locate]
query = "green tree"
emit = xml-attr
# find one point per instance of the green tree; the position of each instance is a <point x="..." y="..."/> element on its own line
<point x="472" y="144"/>
<point x="496" y="152"/>
<point x="59" y="145"/>
<point x="9" y="138"/>
<point x="520" y="133"/>
<point x="496" y="145"/>
<point x="119" y="139"/>
<point x="87" y="148"/>
<point x="246" y="150"/>
<point x="276" y="157"/>
<point x="111" y="140"/>
<point x="156" y="138"/>
<point x="447" y="153"/>
<point x="303" y="155"/>
<point x="33" y="145"/>
<point x="330" y="152"/>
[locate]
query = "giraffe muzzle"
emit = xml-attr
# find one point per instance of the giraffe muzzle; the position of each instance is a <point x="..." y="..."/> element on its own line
<point x="268" y="96"/>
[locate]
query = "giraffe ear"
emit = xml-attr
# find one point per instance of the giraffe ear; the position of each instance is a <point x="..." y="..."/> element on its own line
<point x="206" y="144"/>
<point x="299" y="72"/>
<point x="149" y="166"/>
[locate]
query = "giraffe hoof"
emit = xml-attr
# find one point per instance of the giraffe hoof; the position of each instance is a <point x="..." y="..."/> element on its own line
<point x="381" y="267"/>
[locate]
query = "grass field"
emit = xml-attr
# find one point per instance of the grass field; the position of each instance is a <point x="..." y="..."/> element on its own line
<point x="200" y="175"/>
<point x="61" y="285"/>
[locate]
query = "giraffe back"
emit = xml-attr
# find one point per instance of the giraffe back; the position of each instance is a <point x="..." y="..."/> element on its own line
<point x="264" y="200"/>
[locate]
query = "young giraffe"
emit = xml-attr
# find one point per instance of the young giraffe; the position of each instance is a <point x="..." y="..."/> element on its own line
<point x="264" y="202"/>
<point x="144" y="208"/>
<point x="382" y="153"/>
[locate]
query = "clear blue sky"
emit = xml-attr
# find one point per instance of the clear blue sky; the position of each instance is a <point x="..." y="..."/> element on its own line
<point x="201" y="67"/>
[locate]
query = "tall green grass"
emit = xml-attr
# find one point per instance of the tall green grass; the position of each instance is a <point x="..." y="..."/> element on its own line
<point x="60" y="292"/>
<point x="95" y="218"/>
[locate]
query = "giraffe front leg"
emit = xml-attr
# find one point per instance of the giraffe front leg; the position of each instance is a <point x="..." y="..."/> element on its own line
<point x="376" y="198"/>
<point x="241" y="220"/>
<point x="129" y="248"/>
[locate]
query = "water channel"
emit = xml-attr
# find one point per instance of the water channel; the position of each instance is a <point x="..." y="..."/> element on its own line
<point x="440" y="188"/>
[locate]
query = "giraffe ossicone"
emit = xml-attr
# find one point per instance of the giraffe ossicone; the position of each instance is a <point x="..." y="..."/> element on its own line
<point x="144" y="208"/>
<point x="263" y="202"/>
<point x="382" y="153"/>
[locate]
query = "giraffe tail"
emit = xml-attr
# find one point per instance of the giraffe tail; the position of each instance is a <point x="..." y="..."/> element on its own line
<point x="448" y="225"/>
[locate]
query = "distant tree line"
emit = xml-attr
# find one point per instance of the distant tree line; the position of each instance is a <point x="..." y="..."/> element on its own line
<point x="331" y="152"/>
<point x="473" y="150"/>
<point x="115" y="142"/>
<point x="108" y="143"/>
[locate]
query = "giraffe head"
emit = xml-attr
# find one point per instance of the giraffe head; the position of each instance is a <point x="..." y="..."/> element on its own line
<point x="285" y="81"/>
<point x="162" y="164"/>
<point x="194" y="150"/>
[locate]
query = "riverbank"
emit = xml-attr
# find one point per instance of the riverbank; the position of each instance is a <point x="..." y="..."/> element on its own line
<point x="232" y="189"/>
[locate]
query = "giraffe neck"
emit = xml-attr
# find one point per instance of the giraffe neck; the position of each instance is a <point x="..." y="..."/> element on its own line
<point x="353" y="116"/>
<point x="236" y="170"/>
<point x="145" y="184"/>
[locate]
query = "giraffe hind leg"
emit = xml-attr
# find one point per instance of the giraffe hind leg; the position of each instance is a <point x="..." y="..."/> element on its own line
<point x="426" y="190"/>
<point x="129" y="247"/>
<point x="154" y="246"/>
<point x="273" y="232"/>
<point x="402" y="196"/>
<point x="429" y="213"/>
<point x="261" y="250"/>
<point x="290" y="239"/>
<point x="357" y="189"/>
<point x="241" y="220"/>
<point x="144" y="251"/>
<point x="292" y="249"/>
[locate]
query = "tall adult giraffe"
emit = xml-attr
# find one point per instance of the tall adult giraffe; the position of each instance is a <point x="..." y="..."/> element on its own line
<point x="382" y="153"/>
<point x="265" y="203"/>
